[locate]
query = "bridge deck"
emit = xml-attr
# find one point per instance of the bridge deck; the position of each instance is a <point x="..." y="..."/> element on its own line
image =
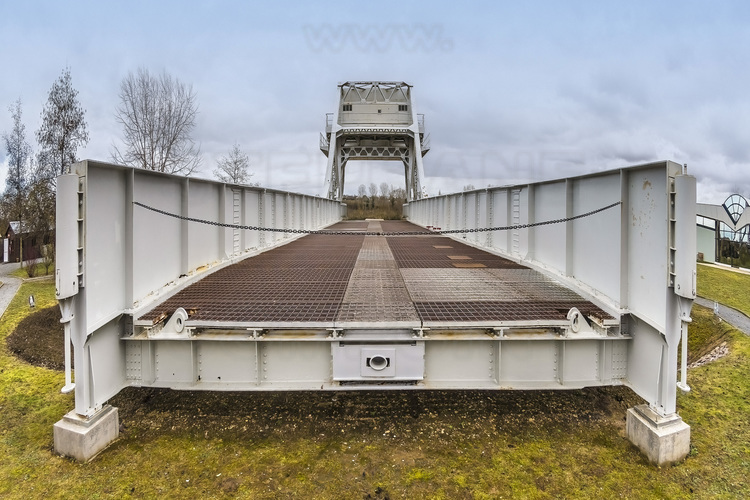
<point x="339" y="280"/>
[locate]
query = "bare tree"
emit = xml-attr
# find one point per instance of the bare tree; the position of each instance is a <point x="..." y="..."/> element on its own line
<point x="373" y="190"/>
<point x="234" y="167"/>
<point x="158" y="116"/>
<point x="399" y="193"/>
<point x="362" y="191"/>
<point x="63" y="129"/>
<point x="19" y="157"/>
<point x="385" y="189"/>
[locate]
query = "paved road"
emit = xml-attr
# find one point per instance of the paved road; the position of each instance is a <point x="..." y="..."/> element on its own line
<point x="9" y="285"/>
<point x="731" y="316"/>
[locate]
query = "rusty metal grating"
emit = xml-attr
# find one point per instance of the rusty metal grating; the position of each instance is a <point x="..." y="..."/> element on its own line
<point x="427" y="285"/>
<point x="376" y="286"/>
<point x="436" y="252"/>
<point x="461" y="311"/>
<point x="392" y="226"/>
<point x="376" y="294"/>
<point x="374" y="279"/>
<point x="304" y="280"/>
<point x="377" y="312"/>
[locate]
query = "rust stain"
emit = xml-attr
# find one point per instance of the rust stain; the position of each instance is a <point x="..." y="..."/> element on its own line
<point x="646" y="184"/>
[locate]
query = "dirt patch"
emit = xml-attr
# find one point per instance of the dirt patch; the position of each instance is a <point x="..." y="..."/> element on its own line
<point x="39" y="339"/>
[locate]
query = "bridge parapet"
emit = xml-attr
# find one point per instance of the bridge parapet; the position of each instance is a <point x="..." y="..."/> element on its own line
<point x="637" y="258"/>
<point x="115" y="258"/>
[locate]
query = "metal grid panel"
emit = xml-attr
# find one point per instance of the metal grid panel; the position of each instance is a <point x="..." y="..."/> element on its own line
<point x="376" y="285"/>
<point x="355" y="278"/>
<point x="427" y="285"/>
<point x="375" y="294"/>
<point x="303" y="281"/>
<point x="503" y="311"/>
<point x="392" y="226"/>
<point x="377" y="312"/>
<point x="442" y="252"/>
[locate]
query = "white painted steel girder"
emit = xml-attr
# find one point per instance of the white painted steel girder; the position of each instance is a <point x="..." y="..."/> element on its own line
<point x="114" y="258"/>
<point x="476" y="361"/>
<point x="628" y="260"/>
<point x="638" y="259"/>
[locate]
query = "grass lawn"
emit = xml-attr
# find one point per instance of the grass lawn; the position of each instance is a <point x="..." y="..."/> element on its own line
<point x="726" y="287"/>
<point x="289" y="450"/>
<point x="38" y="271"/>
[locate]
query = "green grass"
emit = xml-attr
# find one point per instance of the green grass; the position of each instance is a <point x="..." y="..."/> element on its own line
<point x="726" y="287"/>
<point x="433" y="456"/>
<point x="39" y="270"/>
<point x="19" y="273"/>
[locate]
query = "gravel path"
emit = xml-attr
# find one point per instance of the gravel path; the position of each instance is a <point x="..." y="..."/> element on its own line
<point x="728" y="314"/>
<point x="8" y="285"/>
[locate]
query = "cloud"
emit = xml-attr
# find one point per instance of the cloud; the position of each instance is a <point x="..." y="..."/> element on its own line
<point x="521" y="92"/>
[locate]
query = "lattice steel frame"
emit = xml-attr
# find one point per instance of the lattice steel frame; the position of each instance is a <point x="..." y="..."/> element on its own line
<point x="373" y="139"/>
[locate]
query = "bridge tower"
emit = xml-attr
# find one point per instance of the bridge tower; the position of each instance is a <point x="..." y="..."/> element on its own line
<point x="375" y="121"/>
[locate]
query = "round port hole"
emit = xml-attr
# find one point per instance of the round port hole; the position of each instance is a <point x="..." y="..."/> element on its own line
<point x="378" y="362"/>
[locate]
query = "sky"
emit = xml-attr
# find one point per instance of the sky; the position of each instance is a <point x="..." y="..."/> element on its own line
<point x="511" y="91"/>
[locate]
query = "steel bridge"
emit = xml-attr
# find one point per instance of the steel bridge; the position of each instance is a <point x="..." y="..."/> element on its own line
<point x="166" y="281"/>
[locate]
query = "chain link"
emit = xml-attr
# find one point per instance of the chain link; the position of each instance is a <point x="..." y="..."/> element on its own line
<point x="373" y="233"/>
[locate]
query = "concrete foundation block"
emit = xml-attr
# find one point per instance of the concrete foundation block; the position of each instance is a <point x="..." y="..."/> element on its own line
<point x="83" y="438"/>
<point x="664" y="440"/>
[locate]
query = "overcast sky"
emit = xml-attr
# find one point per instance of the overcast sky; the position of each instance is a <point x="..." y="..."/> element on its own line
<point x="511" y="91"/>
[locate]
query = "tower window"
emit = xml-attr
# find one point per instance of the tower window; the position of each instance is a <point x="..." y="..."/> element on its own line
<point x="347" y="107"/>
<point x="403" y="107"/>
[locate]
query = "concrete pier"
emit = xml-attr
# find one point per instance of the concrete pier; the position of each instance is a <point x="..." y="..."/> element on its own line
<point x="664" y="440"/>
<point x="83" y="438"/>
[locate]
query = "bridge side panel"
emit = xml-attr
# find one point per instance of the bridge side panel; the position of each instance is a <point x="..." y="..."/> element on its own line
<point x="203" y="240"/>
<point x="157" y="239"/>
<point x="129" y="253"/>
<point x="596" y="233"/>
<point x="549" y="243"/>
<point x="620" y="256"/>
<point x="647" y="245"/>
<point x="107" y="243"/>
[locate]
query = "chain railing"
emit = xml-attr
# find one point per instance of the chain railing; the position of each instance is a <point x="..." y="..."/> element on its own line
<point x="378" y="233"/>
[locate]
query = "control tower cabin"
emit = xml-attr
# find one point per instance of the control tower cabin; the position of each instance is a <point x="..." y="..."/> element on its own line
<point x="375" y="121"/>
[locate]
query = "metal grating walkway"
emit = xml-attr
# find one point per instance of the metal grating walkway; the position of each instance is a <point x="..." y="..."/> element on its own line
<point x="369" y="280"/>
